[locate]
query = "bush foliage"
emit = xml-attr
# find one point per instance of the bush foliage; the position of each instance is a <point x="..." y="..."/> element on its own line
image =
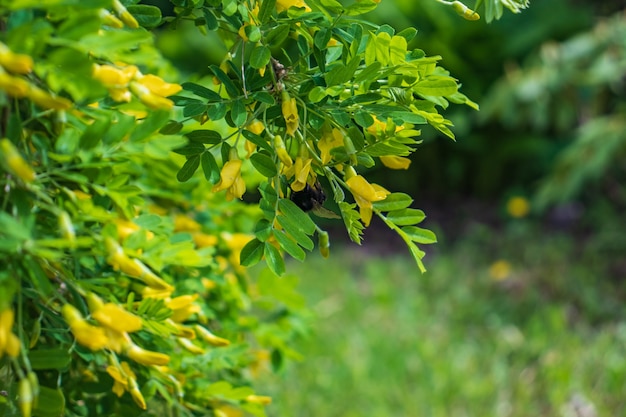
<point x="123" y="240"/>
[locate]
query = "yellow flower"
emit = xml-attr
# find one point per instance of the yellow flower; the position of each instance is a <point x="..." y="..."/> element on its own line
<point x="111" y="76"/>
<point x="203" y="240"/>
<point x="518" y="207"/>
<point x="209" y="337"/>
<point x="150" y="99"/>
<point x="158" y="86"/>
<point x="133" y="267"/>
<point x="290" y="113"/>
<point x="395" y="162"/>
<point x="9" y="342"/>
<point x="117" y="318"/>
<point x="15" y="63"/>
<point x="109" y="19"/>
<point x="184" y="223"/>
<point x="14" y="163"/>
<point x="230" y="180"/>
<point x="281" y="151"/>
<point x="48" y="101"/>
<point x="300" y="169"/>
<point x="26" y="397"/>
<point x="87" y="335"/>
<point x="500" y="270"/>
<point x="329" y="140"/>
<point x="14" y="86"/>
<point x="183" y="307"/>
<point x="378" y="128"/>
<point x="365" y="194"/>
<point x="189" y="346"/>
<point x="125" y="15"/>
<point x="259" y="399"/>
<point x="145" y="357"/>
<point x="256" y="126"/>
<point x="282" y="5"/>
<point x="124" y="379"/>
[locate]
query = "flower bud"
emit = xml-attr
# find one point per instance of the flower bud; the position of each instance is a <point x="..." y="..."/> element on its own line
<point x="14" y="163"/>
<point x="464" y="11"/>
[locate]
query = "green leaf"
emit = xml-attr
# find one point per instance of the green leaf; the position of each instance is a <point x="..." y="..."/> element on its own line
<point x="238" y="113"/>
<point x="189" y="168"/>
<point x="266" y="10"/>
<point x="419" y="235"/>
<point x="406" y="217"/>
<point x="264" y="97"/>
<point x="394" y="201"/>
<point x="210" y="19"/>
<point x="295" y="231"/>
<point x="252" y="253"/>
<point x="351" y="219"/>
<point x="264" y="164"/>
<point x="50" y="403"/>
<point x="417" y="255"/>
<point x="363" y="119"/>
<point x="295" y="213"/>
<point x="147" y="16"/>
<point x="150" y="125"/>
<point x="274" y="260"/>
<point x="192" y="148"/>
<point x="408" y="33"/>
<point x="210" y="168"/>
<point x="397" y="50"/>
<point x="260" y="56"/>
<point x="263" y="230"/>
<point x="436" y="86"/>
<point x="194" y="109"/>
<point x="278" y="35"/>
<point x="341" y="73"/>
<point x="257" y="140"/>
<point x="332" y="5"/>
<point x="289" y="245"/>
<point x="361" y="7"/>
<point x="231" y="89"/>
<point x="57" y="359"/>
<point x="201" y="91"/>
<point x="205" y="136"/>
<point x="171" y="128"/>
<point x="317" y="94"/>
<point x="94" y="133"/>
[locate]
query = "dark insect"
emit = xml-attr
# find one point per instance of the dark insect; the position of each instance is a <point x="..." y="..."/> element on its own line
<point x="311" y="198"/>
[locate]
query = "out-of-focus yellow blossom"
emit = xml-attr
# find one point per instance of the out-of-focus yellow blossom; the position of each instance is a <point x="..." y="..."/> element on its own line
<point x="300" y="170"/>
<point x="282" y="5"/>
<point x="365" y="194"/>
<point x="184" y="223"/>
<point x="133" y="267"/>
<point x="235" y="242"/>
<point x="180" y="330"/>
<point x="395" y="162"/>
<point x="48" y="101"/>
<point x="86" y="334"/>
<point x="190" y="346"/>
<point x="15" y="63"/>
<point x="109" y="19"/>
<point x="14" y="163"/>
<point x="125" y="15"/>
<point x="145" y="357"/>
<point x="124" y="379"/>
<point x="227" y="411"/>
<point x="259" y="399"/>
<point x="208" y="284"/>
<point x="117" y="318"/>
<point x="14" y="86"/>
<point x="500" y="270"/>
<point x="281" y="151"/>
<point x="379" y="127"/>
<point x="126" y="228"/>
<point x="204" y="334"/>
<point x="328" y="141"/>
<point x="158" y="86"/>
<point x="183" y="307"/>
<point x="290" y="113"/>
<point x="26" y="397"/>
<point x="111" y="76"/>
<point x="464" y="11"/>
<point x="256" y="127"/>
<point x="203" y="240"/>
<point x="230" y="179"/>
<point x="9" y="342"/>
<point x="150" y="99"/>
<point x="518" y="207"/>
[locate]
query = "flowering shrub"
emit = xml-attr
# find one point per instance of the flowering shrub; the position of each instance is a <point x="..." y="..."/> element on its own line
<point x="123" y="279"/>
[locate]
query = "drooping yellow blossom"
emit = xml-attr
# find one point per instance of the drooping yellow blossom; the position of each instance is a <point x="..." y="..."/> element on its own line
<point x="328" y="141"/>
<point x="204" y="334"/>
<point x="15" y="63"/>
<point x="117" y="318"/>
<point x="145" y="357"/>
<point x="184" y="223"/>
<point x="111" y="76"/>
<point x="183" y="307"/>
<point x="125" y="15"/>
<point x="300" y="170"/>
<point x="48" y="101"/>
<point x="109" y="19"/>
<point x="133" y="267"/>
<point x="190" y="346"/>
<point x="14" y="163"/>
<point x="158" y="86"/>
<point x="379" y="127"/>
<point x="256" y="127"/>
<point x="282" y="5"/>
<point x="259" y="399"/>
<point x="464" y="11"/>
<point x="124" y="379"/>
<point x="14" y="86"/>
<point x="500" y="270"/>
<point x="518" y="207"/>
<point x="230" y="179"/>
<point x="86" y="334"/>
<point x="281" y="151"/>
<point x="365" y="194"/>
<point x="26" y="397"/>
<point x="290" y="113"/>
<point x="9" y="342"/>
<point x="150" y="99"/>
<point x="203" y="240"/>
<point x="395" y="162"/>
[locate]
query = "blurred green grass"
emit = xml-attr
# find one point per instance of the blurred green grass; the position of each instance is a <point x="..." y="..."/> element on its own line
<point x="545" y="335"/>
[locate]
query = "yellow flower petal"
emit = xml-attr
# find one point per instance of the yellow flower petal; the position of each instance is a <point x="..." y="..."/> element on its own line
<point x="395" y="162"/>
<point x="158" y="86"/>
<point x="117" y="318"/>
<point x="290" y="113"/>
<point x="146" y="357"/>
